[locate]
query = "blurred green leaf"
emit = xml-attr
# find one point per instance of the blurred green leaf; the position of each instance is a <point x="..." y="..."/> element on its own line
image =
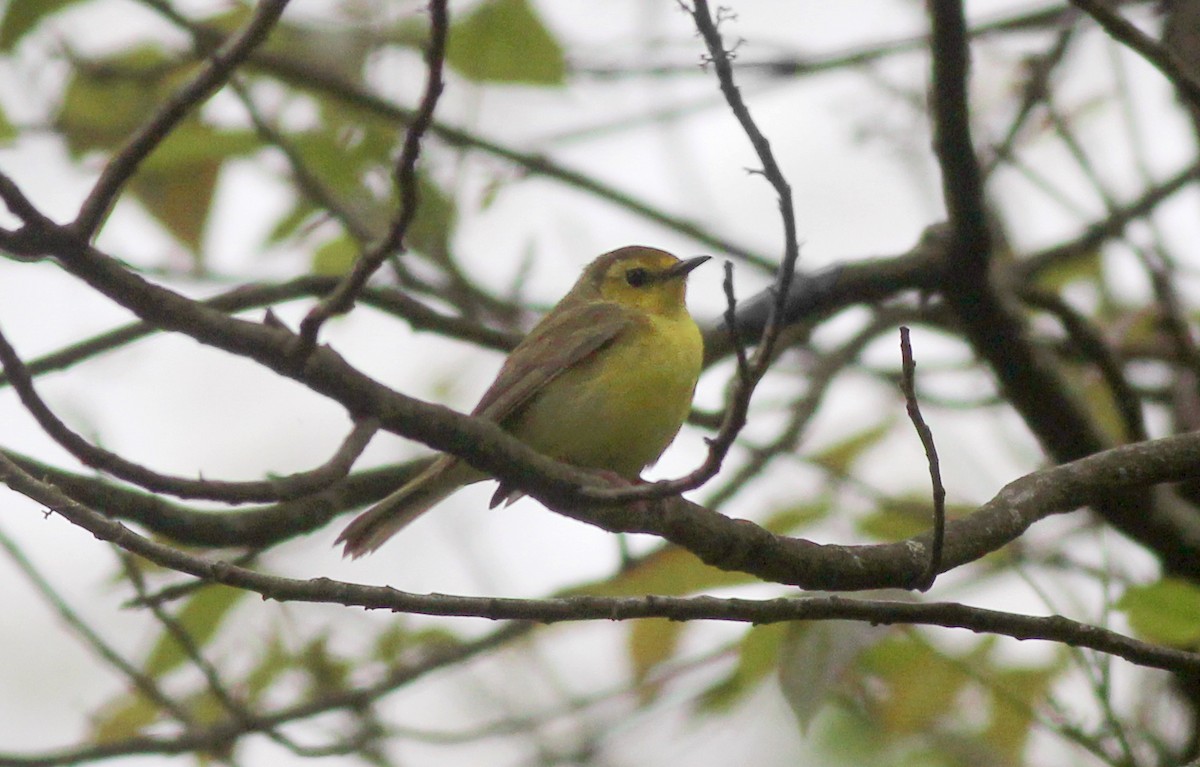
<point x="337" y="49"/>
<point x="271" y="665"/>
<point x="178" y="181"/>
<point x="669" y="571"/>
<point x="335" y="257"/>
<point x="397" y="639"/>
<point x="301" y="215"/>
<point x="904" y="516"/>
<point x="757" y="657"/>
<point x="651" y="641"/>
<point x="106" y="99"/>
<point x="504" y="41"/>
<point x="1167" y="612"/>
<point x="195" y="143"/>
<point x="21" y="16"/>
<point x="124" y="717"/>
<point x="794" y="516"/>
<point x="326" y="671"/>
<point x="200" y="617"/>
<point x="1016" y="693"/>
<point x="8" y="131"/>
<point x="922" y="687"/>
<point x="841" y="455"/>
<point x="430" y="231"/>
<point x="815" y="656"/>
<point x="1079" y="266"/>
<point x="179" y="200"/>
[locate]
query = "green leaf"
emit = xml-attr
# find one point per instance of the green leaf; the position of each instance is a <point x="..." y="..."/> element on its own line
<point x="1084" y="265"/>
<point x="504" y="41"/>
<point x="922" y="687"/>
<point x="651" y="641"/>
<point x="107" y="99"/>
<point x="757" y="656"/>
<point x="336" y="257"/>
<point x="299" y="216"/>
<point x="1167" y="612"/>
<point x="398" y="639"/>
<point x="124" y="717"/>
<point x="905" y="516"/>
<point x="670" y="571"/>
<point x="177" y="182"/>
<point x="21" y="16"/>
<point x="195" y="143"/>
<point x="180" y="200"/>
<point x="200" y="617"/>
<point x="430" y="231"/>
<point x="1014" y="700"/>
<point x="796" y="515"/>
<point x="326" y="671"/>
<point x="815" y="656"/>
<point x="274" y="661"/>
<point x="840" y="456"/>
<point x="8" y="131"/>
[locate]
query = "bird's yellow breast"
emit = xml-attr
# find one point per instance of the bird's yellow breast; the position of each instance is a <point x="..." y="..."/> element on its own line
<point x="619" y="408"/>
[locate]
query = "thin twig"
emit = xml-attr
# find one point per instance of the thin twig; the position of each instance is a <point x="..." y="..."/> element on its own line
<point x="908" y="386"/>
<point x="342" y="298"/>
<point x="142" y="682"/>
<point x="1157" y="54"/>
<point x="753" y="370"/>
<point x="1089" y="342"/>
<point x="254" y="296"/>
<point x="212" y="678"/>
<point x="739" y="348"/>
<point x="264" y="491"/>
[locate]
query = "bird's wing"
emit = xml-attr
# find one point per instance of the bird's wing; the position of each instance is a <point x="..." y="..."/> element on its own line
<point x="560" y="341"/>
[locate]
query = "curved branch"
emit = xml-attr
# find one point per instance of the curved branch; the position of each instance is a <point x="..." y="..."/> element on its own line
<point x="577" y="608"/>
<point x="281" y="488"/>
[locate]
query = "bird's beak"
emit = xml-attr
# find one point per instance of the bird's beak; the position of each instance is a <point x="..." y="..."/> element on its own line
<point x="683" y="268"/>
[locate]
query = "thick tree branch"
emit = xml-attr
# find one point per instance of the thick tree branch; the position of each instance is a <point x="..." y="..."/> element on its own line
<point x="1029" y="378"/>
<point x="1054" y="628"/>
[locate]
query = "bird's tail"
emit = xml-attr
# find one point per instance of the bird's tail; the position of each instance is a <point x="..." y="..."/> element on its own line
<point x="373" y="527"/>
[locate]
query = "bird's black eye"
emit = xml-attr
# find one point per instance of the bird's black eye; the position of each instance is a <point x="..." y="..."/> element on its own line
<point x="637" y="277"/>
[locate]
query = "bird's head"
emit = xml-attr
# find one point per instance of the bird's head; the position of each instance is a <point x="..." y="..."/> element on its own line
<point x="639" y="277"/>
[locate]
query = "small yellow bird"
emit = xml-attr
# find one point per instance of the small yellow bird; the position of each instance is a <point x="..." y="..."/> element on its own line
<point x="604" y="382"/>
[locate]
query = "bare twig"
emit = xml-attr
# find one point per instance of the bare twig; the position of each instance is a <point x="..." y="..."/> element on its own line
<point x="820" y="376"/>
<point x="254" y="296"/>
<point x="908" y="386"/>
<point x="143" y="683"/>
<point x="282" y="488"/>
<point x="342" y="298"/>
<point x="1090" y="343"/>
<point x="739" y="348"/>
<point x="751" y="371"/>
<point x="1157" y="54"/>
<point x="212" y="678"/>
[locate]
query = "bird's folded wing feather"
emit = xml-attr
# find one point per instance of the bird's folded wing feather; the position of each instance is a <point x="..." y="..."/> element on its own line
<point x="554" y="345"/>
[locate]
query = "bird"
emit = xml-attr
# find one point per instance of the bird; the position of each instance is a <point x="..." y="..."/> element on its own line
<point x="604" y="381"/>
